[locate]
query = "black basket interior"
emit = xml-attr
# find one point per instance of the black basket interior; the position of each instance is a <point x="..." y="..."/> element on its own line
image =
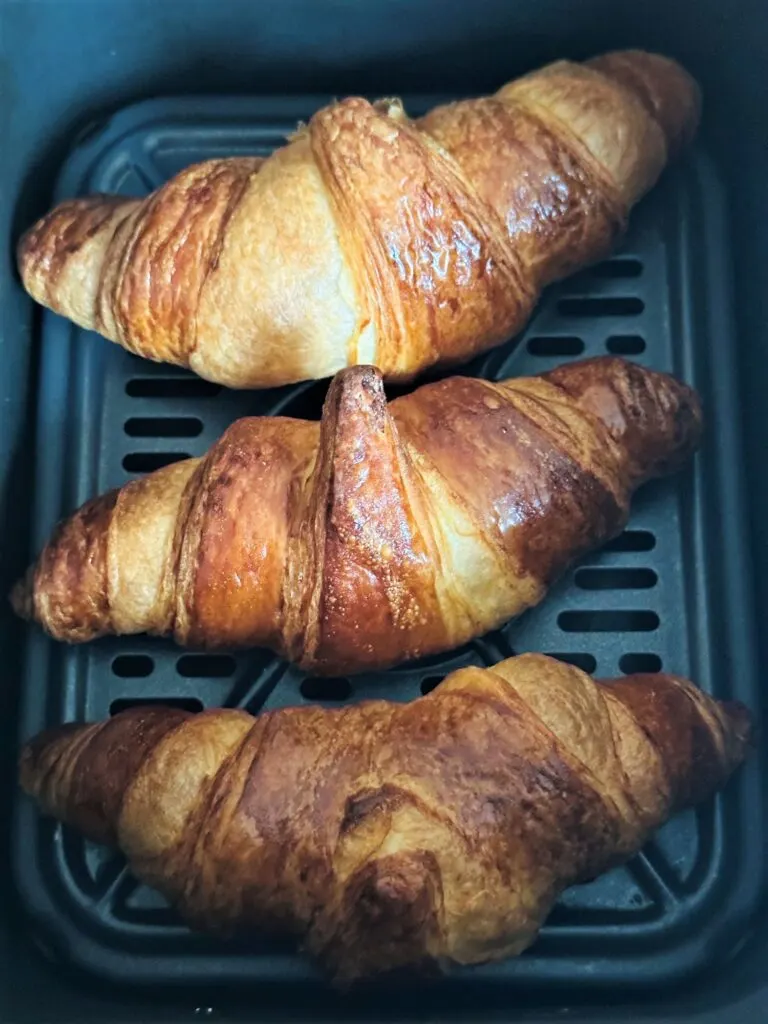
<point x="650" y="600"/>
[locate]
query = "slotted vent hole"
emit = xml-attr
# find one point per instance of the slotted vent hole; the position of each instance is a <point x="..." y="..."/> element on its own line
<point x="206" y="666"/>
<point x="171" y="387"/>
<point x="428" y="683"/>
<point x="623" y="267"/>
<point x="601" y="306"/>
<point x="331" y="688"/>
<point x="185" y="703"/>
<point x="625" y="344"/>
<point x="133" y="666"/>
<point x="148" y="462"/>
<point x="586" y="662"/>
<point x="306" y="403"/>
<point x="163" y="426"/>
<point x="615" y="579"/>
<point x="608" y="621"/>
<point x="630" y="663"/>
<point x="632" y="540"/>
<point x="555" y="345"/>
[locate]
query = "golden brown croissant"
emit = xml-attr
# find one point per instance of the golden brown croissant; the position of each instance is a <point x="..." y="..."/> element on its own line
<point x="370" y="238"/>
<point x="380" y="534"/>
<point x="385" y="835"/>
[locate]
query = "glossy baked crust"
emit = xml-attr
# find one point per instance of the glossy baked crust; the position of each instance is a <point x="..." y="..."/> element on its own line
<point x="380" y="534"/>
<point x="385" y="835"/>
<point x="370" y="238"/>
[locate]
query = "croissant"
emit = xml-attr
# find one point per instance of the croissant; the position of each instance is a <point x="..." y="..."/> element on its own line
<point x="387" y="835"/>
<point x="370" y="238"/>
<point x="380" y="534"/>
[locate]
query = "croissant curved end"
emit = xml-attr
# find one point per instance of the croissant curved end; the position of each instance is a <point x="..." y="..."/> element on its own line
<point x="363" y="381"/>
<point x="22" y="595"/>
<point x="741" y="726"/>
<point x="60" y="256"/>
<point x="667" y="91"/>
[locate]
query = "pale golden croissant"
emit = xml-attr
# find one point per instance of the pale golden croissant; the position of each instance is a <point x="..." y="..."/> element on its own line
<point x="380" y="534"/>
<point x="385" y="835"/>
<point x="370" y="238"/>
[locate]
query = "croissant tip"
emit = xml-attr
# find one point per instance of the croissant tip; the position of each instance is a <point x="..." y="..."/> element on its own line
<point x="25" y="248"/>
<point x="362" y="385"/>
<point x="742" y="724"/>
<point x="30" y="755"/>
<point x="667" y="88"/>
<point x="22" y="596"/>
<point x="360" y="374"/>
<point x="26" y="770"/>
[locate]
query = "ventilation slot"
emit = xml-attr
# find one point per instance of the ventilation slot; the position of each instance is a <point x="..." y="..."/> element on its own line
<point x="616" y="579"/>
<point x="185" y="703"/>
<point x="206" y="666"/>
<point x="306" y="403"/>
<point x="394" y="391"/>
<point x="618" y="268"/>
<point x="625" y="344"/>
<point x="326" y="688"/>
<point x="632" y="540"/>
<point x="429" y="683"/>
<point x="606" y="306"/>
<point x="147" y="462"/>
<point x="608" y="622"/>
<point x="156" y="426"/>
<point x="171" y="387"/>
<point x="586" y="662"/>
<point x="630" y="663"/>
<point x="553" y="345"/>
<point x="133" y="666"/>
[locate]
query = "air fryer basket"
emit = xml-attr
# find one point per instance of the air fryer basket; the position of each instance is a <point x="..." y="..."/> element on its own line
<point x="668" y="593"/>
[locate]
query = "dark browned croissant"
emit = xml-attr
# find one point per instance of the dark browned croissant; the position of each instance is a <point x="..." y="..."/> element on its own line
<point x="385" y="835"/>
<point x="380" y="534"/>
<point x="370" y="238"/>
